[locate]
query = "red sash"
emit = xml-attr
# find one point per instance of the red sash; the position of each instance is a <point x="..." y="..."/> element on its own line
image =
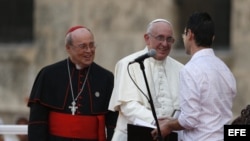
<point x="77" y="126"/>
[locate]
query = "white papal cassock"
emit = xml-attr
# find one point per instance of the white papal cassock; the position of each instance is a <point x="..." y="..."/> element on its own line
<point x="163" y="80"/>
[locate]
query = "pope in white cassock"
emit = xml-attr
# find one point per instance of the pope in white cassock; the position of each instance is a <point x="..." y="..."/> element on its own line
<point x="162" y="74"/>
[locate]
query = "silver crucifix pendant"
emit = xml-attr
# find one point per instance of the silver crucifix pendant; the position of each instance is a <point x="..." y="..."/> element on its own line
<point x="73" y="107"/>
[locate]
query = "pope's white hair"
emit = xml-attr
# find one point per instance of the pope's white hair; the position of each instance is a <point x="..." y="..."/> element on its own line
<point x="155" y="21"/>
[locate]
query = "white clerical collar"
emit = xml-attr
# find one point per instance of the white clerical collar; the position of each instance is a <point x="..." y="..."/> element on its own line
<point x="156" y="62"/>
<point x="78" y="67"/>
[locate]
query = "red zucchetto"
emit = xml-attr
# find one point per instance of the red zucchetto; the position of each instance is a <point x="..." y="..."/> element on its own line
<point x="73" y="28"/>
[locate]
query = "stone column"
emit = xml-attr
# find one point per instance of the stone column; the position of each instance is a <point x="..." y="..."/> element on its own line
<point x="240" y="44"/>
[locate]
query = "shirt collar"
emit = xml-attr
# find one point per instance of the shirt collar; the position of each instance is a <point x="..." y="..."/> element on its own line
<point x="203" y="52"/>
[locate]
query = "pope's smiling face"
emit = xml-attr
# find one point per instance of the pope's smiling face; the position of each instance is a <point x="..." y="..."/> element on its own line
<point x="161" y="39"/>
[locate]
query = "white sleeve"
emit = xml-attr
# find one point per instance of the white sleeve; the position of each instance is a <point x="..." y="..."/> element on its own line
<point x="132" y="110"/>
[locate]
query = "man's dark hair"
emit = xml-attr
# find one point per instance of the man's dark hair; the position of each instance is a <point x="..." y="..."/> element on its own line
<point x="202" y="26"/>
<point x="244" y="118"/>
<point x="22" y="120"/>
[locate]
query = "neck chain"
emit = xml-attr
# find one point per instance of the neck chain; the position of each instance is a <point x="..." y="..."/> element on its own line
<point x="74" y="107"/>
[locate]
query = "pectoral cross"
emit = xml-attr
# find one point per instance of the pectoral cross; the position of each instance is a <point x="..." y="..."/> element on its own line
<point x="73" y="107"/>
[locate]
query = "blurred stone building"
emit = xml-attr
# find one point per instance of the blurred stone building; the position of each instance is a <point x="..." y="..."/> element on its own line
<point x="32" y="36"/>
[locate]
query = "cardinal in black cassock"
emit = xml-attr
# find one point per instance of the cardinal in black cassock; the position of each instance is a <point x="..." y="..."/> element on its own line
<point x="69" y="99"/>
